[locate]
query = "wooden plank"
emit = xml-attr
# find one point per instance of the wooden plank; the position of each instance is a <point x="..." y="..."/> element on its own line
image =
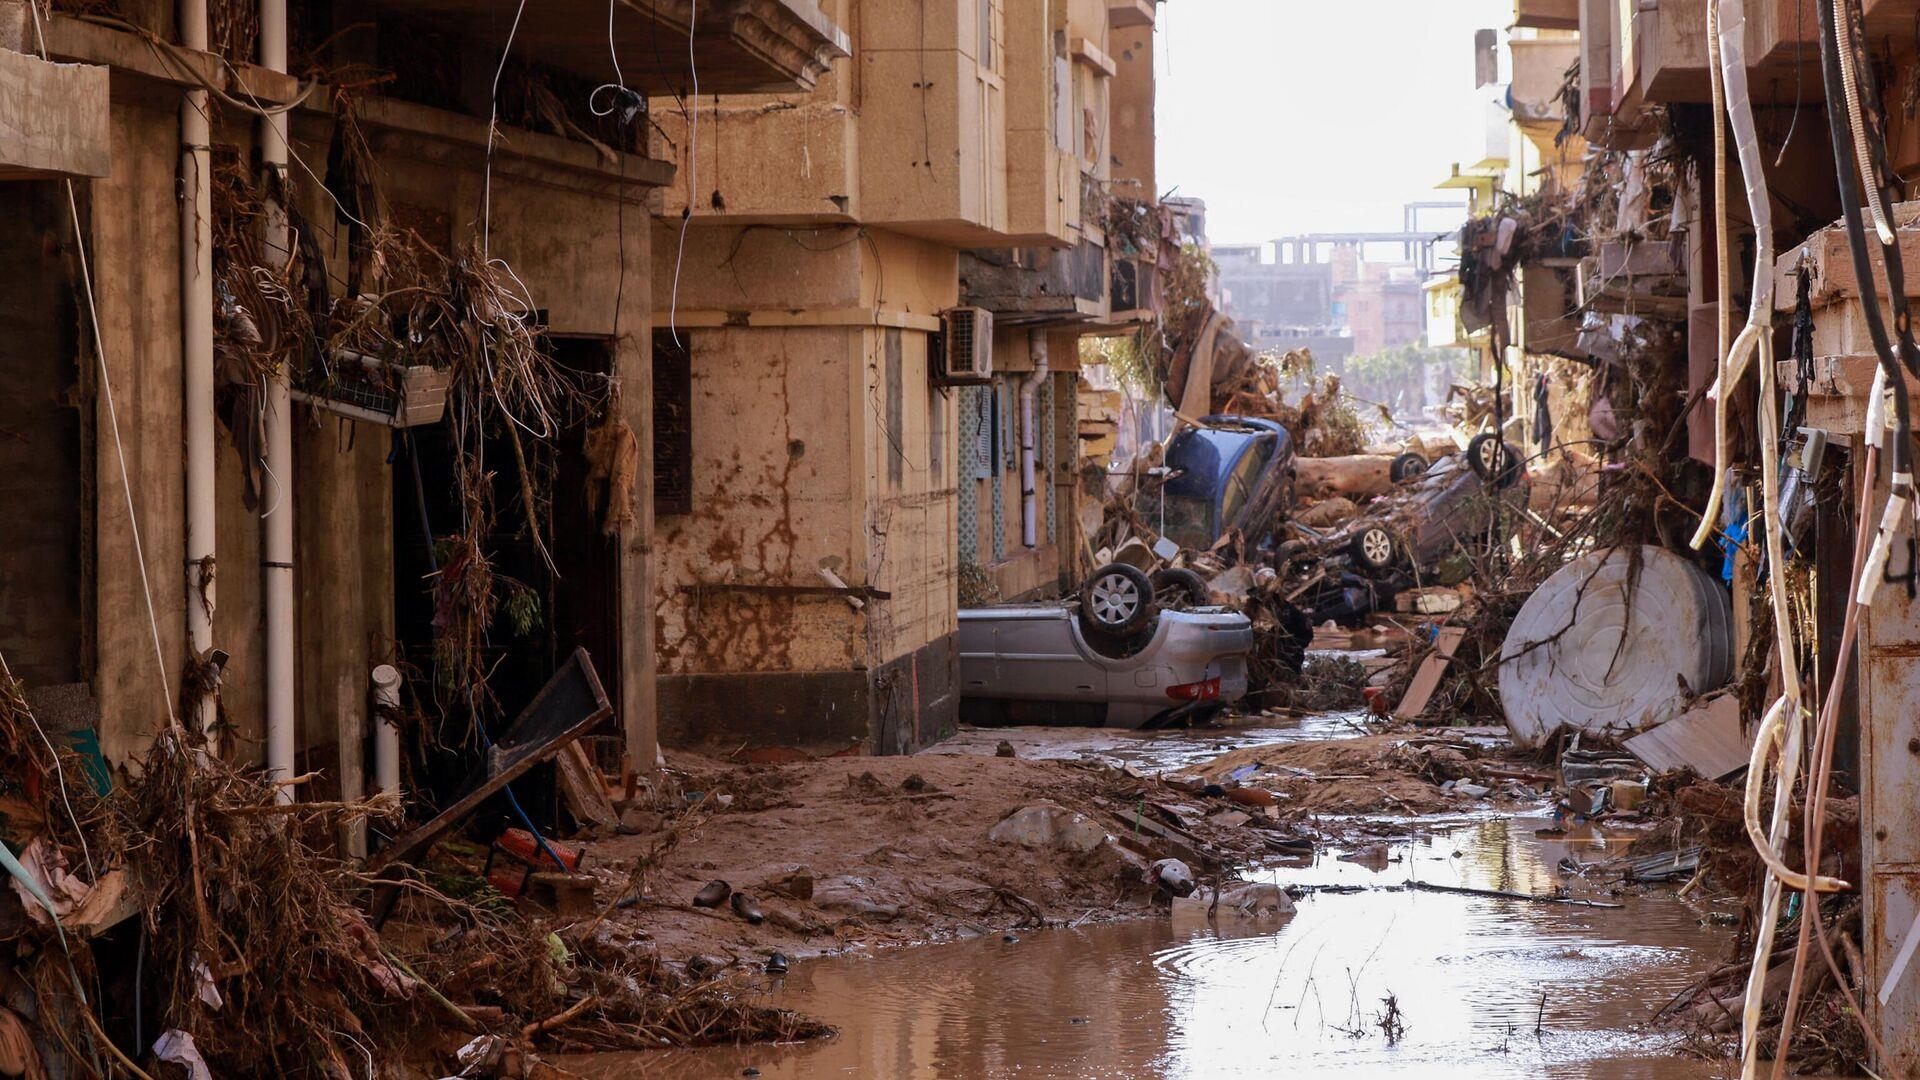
<point x="571" y="703"/>
<point x="1427" y="679"/>
<point x="1706" y="738"/>
<point x="582" y="788"/>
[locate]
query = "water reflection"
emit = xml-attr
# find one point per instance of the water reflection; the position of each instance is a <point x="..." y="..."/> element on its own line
<point x="1485" y="987"/>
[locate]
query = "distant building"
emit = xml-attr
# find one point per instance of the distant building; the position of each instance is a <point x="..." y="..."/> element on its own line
<point x="1319" y="290"/>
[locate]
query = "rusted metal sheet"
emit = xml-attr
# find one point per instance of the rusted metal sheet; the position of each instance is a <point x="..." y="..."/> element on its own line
<point x="1890" y="818"/>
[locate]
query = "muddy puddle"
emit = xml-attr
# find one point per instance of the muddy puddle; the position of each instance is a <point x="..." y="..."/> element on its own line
<point x="1156" y="751"/>
<point x="1484" y="987"/>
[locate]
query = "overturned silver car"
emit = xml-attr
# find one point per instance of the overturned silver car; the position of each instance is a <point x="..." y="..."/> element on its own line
<point x="1112" y="657"/>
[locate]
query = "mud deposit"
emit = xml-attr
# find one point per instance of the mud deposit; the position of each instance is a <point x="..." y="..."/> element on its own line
<point x="1483" y="987"/>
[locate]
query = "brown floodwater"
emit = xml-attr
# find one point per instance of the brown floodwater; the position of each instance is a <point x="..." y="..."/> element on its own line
<point x="1484" y="987"/>
<point x="1158" y="751"/>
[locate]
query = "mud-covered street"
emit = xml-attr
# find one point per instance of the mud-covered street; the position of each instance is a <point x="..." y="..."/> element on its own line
<point x="1422" y="933"/>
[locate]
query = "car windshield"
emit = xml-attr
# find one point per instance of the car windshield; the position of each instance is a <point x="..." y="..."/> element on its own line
<point x="1240" y="483"/>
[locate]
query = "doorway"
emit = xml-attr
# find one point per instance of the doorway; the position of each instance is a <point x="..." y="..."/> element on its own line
<point x="540" y="613"/>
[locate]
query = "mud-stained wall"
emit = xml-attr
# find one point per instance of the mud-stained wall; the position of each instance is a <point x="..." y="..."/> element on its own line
<point x="774" y="499"/>
<point x="818" y="442"/>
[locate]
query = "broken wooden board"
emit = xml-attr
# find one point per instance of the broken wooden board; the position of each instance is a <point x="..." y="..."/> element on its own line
<point x="1706" y="738"/>
<point x="571" y="703"/>
<point x="582" y="788"/>
<point x="1427" y="679"/>
<point x="1179" y="842"/>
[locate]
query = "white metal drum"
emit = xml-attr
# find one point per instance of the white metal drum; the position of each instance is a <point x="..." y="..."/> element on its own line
<point x="1601" y="647"/>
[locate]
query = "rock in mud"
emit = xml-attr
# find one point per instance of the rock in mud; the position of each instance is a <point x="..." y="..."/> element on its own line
<point x="1049" y="825"/>
<point x="850" y="895"/>
<point x="1248" y="899"/>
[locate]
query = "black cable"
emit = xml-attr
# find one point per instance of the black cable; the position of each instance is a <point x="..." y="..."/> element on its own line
<point x="1845" y="173"/>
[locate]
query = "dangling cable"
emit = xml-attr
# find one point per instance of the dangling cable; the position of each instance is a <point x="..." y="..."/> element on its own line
<point x="1813" y="827"/>
<point x="1856" y="122"/>
<point x="1889" y="395"/>
<point x="1784" y="720"/>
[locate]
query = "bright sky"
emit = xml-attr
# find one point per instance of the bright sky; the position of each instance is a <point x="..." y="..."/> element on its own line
<point x="1291" y="116"/>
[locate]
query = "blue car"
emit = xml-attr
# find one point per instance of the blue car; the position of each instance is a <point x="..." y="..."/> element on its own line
<point x="1234" y="473"/>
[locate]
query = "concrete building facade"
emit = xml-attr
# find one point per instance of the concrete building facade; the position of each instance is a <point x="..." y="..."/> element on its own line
<point x="805" y="263"/>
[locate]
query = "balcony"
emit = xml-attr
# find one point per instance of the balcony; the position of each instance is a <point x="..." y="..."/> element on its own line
<point x="1539" y="71"/>
<point x="1128" y="13"/>
<point x="1547" y="14"/>
<point x="738" y="46"/>
<point x="1034" y="287"/>
<point x="64" y="131"/>
<point x="1445" y="328"/>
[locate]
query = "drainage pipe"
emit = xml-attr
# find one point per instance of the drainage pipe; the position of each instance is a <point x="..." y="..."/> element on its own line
<point x="386" y="737"/>
<point x="196" y="359"/>
<point x="276" y="521"/>
<point x="1029" y="387"/>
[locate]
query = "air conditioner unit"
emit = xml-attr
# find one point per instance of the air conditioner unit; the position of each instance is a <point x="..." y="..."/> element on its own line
<point x="964" y="356"/>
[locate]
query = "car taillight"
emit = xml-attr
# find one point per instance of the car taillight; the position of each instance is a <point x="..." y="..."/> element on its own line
<point x="1205" y="690"/>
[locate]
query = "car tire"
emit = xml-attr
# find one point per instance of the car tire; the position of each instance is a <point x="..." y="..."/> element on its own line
<point x="1408" y="466"/>
<point x="1372" y="547"/>
<point x="1117" y="599"/>
<point x="1179" y="587"/>
<point x="1492" y="460"/>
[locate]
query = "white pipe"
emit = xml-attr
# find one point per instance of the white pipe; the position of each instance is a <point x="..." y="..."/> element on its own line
<point x="386" y="737"/>
<point x="276" y="523"/>
<point x="1029" y="384"/>
<point x="1756" y="341"/>
<point x="196" y="359"/>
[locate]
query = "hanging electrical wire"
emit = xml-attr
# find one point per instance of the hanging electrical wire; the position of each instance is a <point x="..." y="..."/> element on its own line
<point x="693" y="175"/>
<point x="1887" y="399"/>
<point x="1784" y="727"/>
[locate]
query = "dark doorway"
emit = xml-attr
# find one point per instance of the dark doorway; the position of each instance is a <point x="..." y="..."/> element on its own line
<point x="42" y="464"/>
<point x="540" y="615"/>
<point x="586" y="596"/>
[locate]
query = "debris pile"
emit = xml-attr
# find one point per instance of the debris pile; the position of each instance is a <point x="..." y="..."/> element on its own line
<point x="231" y="939"/>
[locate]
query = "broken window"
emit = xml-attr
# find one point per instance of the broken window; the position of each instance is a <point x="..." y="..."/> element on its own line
<point x="672" y="423"/>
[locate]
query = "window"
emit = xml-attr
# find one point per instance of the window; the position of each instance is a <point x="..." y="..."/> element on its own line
<point x="1240" y="482"/>
<point x="896" y="408"/>
<point x="672" y="423"/>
